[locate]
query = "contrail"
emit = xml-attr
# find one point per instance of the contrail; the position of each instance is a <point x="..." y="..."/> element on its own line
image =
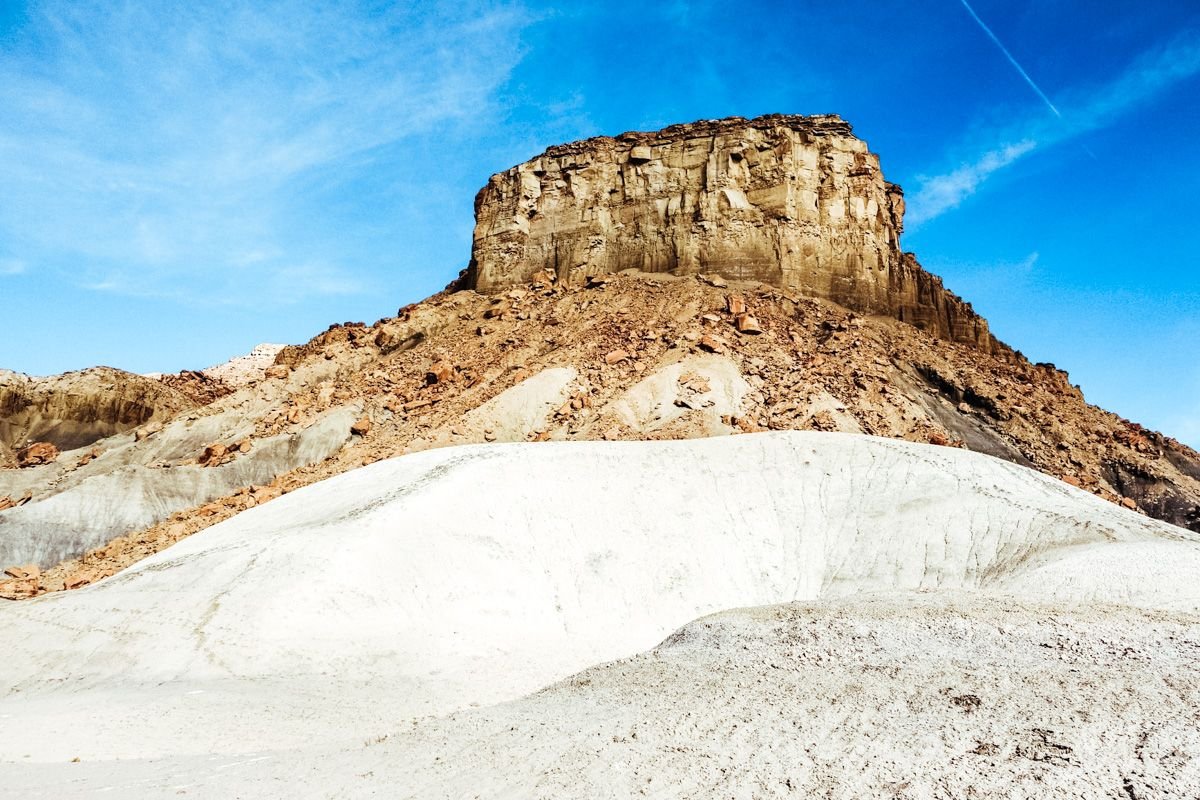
<point x="1012" y="60"/>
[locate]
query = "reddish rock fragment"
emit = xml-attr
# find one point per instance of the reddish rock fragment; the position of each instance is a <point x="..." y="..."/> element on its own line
<point x="616" y="357"/>
<point x="36" y="454"/>
<point x="440" y="372"/>
<point x="746" y="323"/>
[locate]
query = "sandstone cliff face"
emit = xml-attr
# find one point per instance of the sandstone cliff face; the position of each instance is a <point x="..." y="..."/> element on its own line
<point x="791" y="201"/>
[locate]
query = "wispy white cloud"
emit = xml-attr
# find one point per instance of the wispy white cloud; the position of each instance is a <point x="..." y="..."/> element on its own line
<point x="11" y="266"/>
<point x="298" y="281"/>
<point x="185" y="150"/>
<point x="940" y="193"/>
<point x="1083" y="111"/>
<point x="279" y="284"/>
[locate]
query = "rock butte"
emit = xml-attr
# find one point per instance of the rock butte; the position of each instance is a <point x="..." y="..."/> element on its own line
<point x="792" y="201"/>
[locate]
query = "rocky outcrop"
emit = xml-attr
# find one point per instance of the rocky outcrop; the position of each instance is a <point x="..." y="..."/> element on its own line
<point x="241" y="370"/>
<point x="76" y="409"/>
<point x="36" y="454"/>
<point x="795" y="202"/>
<point x="202" y="388"/>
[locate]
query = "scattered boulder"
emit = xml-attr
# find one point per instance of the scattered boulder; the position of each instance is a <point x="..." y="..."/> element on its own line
<point x="213" y="455"/>
<point x="735" y="304"/>
<point x="616" y="357"/>
<point x="440" y="372"/>
<point x="389" y="340"/>
<point x="746" y="323"/>
<point x="24" y="583"/>
<point x="711" y="344"/>
<point x="7" y="502"/>
<point x="146" y="431"/>
<point x="415" y="404"/>
<point x="217" y="454"/>
<point x="25" y="572"/>
<point x="81" y="578"/>
<point x="498" y="310"/>
<point x="362" y="427"/>
<point x="199" y="386"/>
<point x="36" y="454"/>
<point x="695" y="383"/>
<point x="21" y="589"/>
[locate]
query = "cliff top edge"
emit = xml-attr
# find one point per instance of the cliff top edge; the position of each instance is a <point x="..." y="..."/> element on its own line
<point x="815" y="124"/>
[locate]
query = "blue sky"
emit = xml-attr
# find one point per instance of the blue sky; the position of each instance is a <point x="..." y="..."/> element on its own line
<point x="179" y="182"/>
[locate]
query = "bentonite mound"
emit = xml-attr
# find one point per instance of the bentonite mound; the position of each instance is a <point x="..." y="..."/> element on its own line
<point x="299" y="648"/>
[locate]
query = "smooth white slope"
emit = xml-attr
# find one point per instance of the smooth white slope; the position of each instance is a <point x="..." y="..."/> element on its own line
<point x="930" y="695"/>
<point x="471" y="575"/>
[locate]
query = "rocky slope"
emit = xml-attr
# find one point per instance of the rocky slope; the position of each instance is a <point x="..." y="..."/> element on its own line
<point x="76" y="409"/>
<point x="301" y="648"/>
<point x="634" y="357"/>
<point x="796" y="202"/>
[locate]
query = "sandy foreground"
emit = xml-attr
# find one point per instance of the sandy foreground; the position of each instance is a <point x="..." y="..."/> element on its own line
<point x="772" y="615"/>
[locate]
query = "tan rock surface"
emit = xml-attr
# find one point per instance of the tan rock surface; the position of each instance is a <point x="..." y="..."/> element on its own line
<point x="243" y="369"/>
<point x="796" y="202"/>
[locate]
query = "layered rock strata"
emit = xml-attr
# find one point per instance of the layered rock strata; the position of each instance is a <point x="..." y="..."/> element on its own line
<point x="795" y="202"/>
<point x="76" y="409"/>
